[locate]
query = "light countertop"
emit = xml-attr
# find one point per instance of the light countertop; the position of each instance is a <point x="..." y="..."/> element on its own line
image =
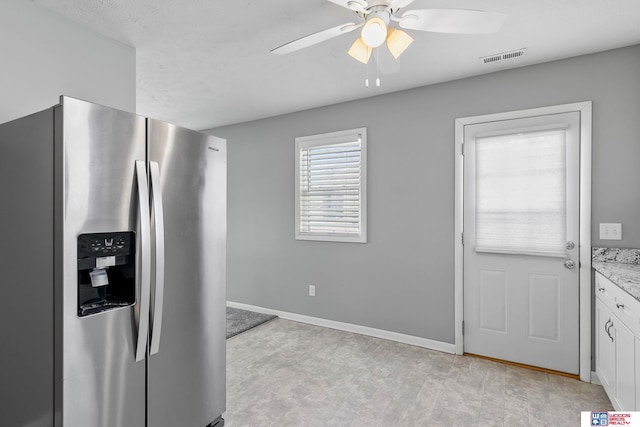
<point x="621" y="266"/>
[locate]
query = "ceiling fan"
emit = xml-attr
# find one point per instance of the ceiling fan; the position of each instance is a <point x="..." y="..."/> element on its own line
<point x="377" y="16"/>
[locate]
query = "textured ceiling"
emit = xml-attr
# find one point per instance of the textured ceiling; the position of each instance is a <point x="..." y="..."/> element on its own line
<point x="206" y="63"/>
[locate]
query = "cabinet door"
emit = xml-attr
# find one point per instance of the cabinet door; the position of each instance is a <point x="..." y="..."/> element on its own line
<point x="625" y="366"/>
<point x="637" y="364"/>
<point x="605" y="348"/>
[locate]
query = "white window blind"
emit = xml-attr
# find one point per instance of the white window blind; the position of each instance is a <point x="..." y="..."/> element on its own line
<point x="330" y="186"/>
<point x="521" y="193"/>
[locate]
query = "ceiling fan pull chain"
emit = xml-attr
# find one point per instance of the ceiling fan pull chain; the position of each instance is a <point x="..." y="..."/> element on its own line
<point x="377" y="67"/>
<point x="366" y="80"/>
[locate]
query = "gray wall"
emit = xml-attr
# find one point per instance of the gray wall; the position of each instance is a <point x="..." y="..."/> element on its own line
<point x="402" y="280"/>
<point x="45" y="55"/>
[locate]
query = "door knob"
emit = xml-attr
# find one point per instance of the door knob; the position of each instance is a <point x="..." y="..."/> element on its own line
<point x="569" y="264"/>
<point x="570" y="245"/>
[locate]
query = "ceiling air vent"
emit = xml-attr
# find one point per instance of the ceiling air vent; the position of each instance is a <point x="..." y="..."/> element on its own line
<point x="498" y="57"/>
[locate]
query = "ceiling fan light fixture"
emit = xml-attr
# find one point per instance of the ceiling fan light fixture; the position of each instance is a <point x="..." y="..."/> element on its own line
<point x="374" y="32"/>
<point x="360" y="51"/>
<point x="398" y="41"/>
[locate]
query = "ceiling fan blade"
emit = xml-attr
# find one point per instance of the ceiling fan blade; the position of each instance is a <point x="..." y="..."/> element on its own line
<point x="357" y="5"/>
<point x="399" y="4"/>
<point x="457" y="21"/>
<point x="315" y="38"/>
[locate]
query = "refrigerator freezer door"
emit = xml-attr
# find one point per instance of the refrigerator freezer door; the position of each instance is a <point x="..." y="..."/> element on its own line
<point x="186" y="382"/>
<point x="101" y="384"/>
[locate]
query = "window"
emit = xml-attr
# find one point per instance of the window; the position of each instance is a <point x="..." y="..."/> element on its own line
<point x="331" y="186"/>
<point x="521" y="193"/>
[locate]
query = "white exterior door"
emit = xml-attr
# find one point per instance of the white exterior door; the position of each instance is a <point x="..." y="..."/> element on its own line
<point x="521" y="230"/>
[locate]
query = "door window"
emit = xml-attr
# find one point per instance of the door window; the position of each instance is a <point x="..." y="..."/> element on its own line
<point x="521" y="198"/>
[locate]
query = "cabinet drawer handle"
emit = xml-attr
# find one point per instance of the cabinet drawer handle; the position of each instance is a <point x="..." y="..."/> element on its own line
<point x="619" y="306"/>
<point x="600" y="289"/>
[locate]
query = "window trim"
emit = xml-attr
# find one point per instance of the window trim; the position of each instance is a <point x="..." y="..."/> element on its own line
<point x="328" y="139"/>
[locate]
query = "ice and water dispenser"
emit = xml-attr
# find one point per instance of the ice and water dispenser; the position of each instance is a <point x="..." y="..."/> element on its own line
<point x="106" y="271"/>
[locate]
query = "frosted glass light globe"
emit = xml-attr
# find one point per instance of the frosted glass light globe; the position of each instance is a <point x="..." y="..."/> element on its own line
<point x="374" y="32"/>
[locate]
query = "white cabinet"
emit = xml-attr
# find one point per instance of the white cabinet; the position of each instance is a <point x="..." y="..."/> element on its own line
<point x="605" y="347"/>
<point x="637" y="364"/>
<point x="618" y="344"/>
<point x="625" y="366"/>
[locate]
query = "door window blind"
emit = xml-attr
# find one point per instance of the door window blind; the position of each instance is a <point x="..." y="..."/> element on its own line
<point x="521" y="193"/>
<point x="330" y="187"/>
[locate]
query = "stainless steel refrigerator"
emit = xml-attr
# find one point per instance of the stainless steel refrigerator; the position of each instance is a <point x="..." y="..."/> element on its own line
<point x="112" y="269"/>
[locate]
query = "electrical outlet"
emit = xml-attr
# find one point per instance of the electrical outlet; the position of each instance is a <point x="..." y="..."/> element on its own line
<point x="312" y="290"/>
<point x="610" y="231"/>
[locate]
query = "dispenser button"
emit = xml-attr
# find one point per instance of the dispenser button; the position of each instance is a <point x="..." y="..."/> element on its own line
<point x="99" y="277"/>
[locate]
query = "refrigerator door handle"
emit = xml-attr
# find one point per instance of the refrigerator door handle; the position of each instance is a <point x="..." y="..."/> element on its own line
<point x="142" y="308"/>
<point x="158" y="213"/>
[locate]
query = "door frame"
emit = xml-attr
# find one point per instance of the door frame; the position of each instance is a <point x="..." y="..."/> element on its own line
<point x="584" y="251"/>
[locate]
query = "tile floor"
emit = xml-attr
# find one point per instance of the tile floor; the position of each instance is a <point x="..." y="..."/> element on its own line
<point x="286" y="373"/>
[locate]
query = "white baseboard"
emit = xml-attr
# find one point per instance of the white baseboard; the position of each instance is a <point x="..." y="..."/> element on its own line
<point x="595" y="379"/>
<point x="348" y="327"/>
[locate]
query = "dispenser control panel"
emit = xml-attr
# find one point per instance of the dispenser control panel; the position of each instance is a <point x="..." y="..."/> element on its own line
<point x="104" y="249"/>
<point x="104" y="244"/>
